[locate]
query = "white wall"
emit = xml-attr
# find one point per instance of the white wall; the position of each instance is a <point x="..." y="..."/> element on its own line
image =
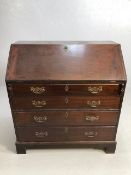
<point x="64" y="20"/>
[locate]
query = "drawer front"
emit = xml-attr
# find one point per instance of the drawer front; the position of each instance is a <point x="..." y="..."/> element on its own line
<point x="45" y="90"/>
<point x="47" y="118"/>
<point x="60" y="102"/>
<point x="66" y="133"/>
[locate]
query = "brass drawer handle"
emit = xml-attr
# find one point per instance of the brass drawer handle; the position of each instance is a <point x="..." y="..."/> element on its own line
<point x="40" y="119"/>
<point x="41" y="134"/>
<point x="91" y="134"/>
<point x="91" y="118"/>
<point x="94" y="89"/>
<point x="37" y="90"/>
<point x="39" y="104"/>
<point x="93" y="103"/>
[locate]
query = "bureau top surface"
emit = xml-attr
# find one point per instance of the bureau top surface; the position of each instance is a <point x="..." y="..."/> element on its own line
<point x="65" y="61"/>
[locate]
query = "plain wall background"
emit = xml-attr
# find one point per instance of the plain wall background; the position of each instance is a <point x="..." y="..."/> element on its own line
<point x="64" y="20"/>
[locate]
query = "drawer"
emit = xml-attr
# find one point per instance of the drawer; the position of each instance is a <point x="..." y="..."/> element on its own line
<point x="60" y="102"/>
<point x="59" y="89"/>
<point x="51" y="118"/>
<point x="66" y="133"/>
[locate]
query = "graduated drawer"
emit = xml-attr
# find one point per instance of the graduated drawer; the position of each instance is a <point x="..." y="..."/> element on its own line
<point x="47" y="118"/>
<point x="60" y="102"/>
<point x="66" y="133"/>
<point x="65" y="89"/>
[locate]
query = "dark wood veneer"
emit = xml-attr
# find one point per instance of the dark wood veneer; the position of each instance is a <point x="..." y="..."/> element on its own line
<point x="66" y="118"/>
<point x="66" y="133"/>
<point x="65" y="61"/>
<point x="68" y="102"/>
<point x="65" y="89"/>
<point x="65" y="94"/>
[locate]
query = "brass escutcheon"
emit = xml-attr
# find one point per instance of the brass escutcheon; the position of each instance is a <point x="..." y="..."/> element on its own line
<point x="66" y="88"/>
<point x="66" y="130"/>
<point x="66" y="115"/>
<point x="66" y="100"/>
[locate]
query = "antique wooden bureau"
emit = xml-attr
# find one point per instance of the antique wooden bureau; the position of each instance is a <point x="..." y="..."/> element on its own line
<point x="65" y="94"/>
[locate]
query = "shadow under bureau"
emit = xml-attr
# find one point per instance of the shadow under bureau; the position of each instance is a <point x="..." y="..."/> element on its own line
<point x="65" y="94"/>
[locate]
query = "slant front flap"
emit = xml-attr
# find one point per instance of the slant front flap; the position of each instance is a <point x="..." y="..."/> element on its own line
<point x="65" y="61"/>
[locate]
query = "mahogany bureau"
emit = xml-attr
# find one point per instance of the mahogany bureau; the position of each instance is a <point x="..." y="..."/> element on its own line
<point x="65" y="94"/>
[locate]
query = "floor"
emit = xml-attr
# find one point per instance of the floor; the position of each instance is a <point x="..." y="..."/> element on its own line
<point x="64" y="161"/>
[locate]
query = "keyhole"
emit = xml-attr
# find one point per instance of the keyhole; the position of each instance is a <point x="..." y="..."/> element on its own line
<point x="65" y="48"/>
